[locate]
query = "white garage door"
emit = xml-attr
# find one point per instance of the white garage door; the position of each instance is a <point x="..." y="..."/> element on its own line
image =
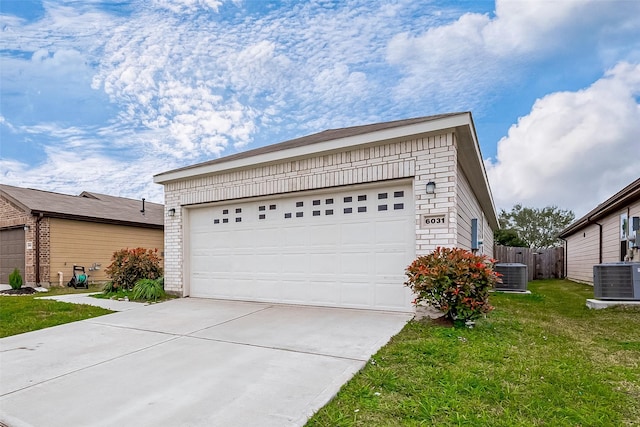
<point x="345" y="248"/>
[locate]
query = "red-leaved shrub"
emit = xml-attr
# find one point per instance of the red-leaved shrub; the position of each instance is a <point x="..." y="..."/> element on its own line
<point x="455" y="281"/>
<point x="130" y="265"/>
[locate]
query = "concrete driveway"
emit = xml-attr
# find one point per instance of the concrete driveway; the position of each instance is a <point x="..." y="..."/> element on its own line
<point x="188" y="362"/>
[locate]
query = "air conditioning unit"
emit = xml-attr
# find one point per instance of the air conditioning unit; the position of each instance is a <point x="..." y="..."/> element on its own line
<point x="617" y="281"/>
<point x="514" y="276"/>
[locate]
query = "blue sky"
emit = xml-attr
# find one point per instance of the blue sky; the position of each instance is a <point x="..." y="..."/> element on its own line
<point x="102" y="95"/>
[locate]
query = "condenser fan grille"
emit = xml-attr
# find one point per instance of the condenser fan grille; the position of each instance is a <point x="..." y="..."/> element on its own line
<point x="514" y="276"/>
<point x="613" y="281"/>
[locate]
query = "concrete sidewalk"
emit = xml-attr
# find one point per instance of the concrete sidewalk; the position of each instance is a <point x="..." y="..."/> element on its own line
<point x="86" y="298"/>
<point x="188" y="362"/>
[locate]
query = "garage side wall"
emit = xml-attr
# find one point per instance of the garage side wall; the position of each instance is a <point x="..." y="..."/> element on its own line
<point x="426" y="159"/>
<point x="582" y="254"/>
<point x="468" y="209"/>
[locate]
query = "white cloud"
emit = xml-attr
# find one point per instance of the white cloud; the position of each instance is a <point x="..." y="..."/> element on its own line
<point x="477" y="52"/>
<point x="72" y="171"/>
<point x="574" y="149"/>
<point x="182" y="6"/>
<point x="209" y="84"/>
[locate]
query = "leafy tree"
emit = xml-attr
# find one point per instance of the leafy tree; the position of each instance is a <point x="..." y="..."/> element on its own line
<point x="509" y="237"/>
<point x="537" y="228"/>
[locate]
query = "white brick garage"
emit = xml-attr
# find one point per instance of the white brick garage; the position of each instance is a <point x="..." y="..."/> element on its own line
<point x="331" y="219"/>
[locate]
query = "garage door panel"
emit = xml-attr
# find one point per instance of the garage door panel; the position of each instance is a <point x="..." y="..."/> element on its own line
<point x="356" y="294"/>
<point x="243" y="239"/>
<point x="295" y="236"/>
<point x="247" y="289"/>
<point x="355" y="263"/>
<point x="324" y="263"/>
<point x="265" y="263"/>
<point x="326" y="234"/>
<point x="306" y="250"/>
<point x="389" y="296"/>
<point x="387" y="231"/>
<point x="386" y="263"/>
<point x="358" y="233"/>
<point x="12" y="253"/>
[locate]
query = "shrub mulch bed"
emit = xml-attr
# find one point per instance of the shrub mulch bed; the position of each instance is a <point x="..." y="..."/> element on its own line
<point x="21" y="291"/>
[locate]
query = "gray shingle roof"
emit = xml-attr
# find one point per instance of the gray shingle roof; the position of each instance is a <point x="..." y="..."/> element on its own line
<point x="87" y="206"/>
<point x="323" y="136"/>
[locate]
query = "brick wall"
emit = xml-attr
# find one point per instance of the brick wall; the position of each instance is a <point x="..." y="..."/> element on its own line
<point x="12" y="216"/>
<point x="425" y="159"/>
<point x="45" y="251"/>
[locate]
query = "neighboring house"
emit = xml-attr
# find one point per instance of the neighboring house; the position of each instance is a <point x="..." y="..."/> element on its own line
<point x="606" y="234"/>
<point x="330" y="219"/>
<point x="43" y="233"/>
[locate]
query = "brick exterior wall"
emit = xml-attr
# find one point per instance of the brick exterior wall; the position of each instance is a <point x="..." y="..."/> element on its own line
<point x="425" y="159"/>
<point x="12" y="216"/>
<point x="45" y="252"/>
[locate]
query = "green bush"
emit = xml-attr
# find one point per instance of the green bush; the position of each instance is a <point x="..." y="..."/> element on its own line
<point x="148" y="289"/>
<point x="109" y="288"/>
<point x="455" y="281"/>
<point x="15" y="279"/>
<point x="130" y="265"/>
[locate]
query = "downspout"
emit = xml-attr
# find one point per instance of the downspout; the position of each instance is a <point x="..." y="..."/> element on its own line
<point x="599" y="243"/>
<point x="628" y="250"/>
<point x="566" y="260"/>
<point x="38" y="249"/>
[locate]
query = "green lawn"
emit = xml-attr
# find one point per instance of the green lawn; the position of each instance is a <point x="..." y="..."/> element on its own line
<point x="537" y="360"/>
<point x="19" y="314"/>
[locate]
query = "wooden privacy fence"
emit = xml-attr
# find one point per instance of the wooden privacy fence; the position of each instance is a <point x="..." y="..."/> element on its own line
<point x="541" y="263"/>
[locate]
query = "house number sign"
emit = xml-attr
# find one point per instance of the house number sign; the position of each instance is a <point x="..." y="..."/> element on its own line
<point x="434" y="221"/>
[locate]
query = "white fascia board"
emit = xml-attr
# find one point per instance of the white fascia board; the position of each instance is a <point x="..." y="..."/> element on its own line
<point x="331" y="145"/>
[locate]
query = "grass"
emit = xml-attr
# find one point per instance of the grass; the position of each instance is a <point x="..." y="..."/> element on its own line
<point x="122" y="293"/>
<point x="538" y="360"/>
<point x="19" y="314"/>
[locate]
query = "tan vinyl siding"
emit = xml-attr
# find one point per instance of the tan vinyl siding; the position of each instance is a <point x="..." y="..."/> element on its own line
<point x="487" y="239"/>
<point x="611" y="237"/>
<point x="86" y="243"/>
<point x="469" y="208"/>
<point x="583" y="254"/>
<point x="583" y="251"/>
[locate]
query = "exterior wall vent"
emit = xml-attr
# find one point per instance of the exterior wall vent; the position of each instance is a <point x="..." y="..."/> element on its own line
<point x="514" y="276"/>
<point x="617" y="281"/>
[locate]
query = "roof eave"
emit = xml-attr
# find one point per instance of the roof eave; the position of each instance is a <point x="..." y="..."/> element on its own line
<point x="395" y="133"/>
<point x="15" y="201"/>
<point x="627" y="195"/>
<point x="97" y="219"/>
<point x="472" y="164"/>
